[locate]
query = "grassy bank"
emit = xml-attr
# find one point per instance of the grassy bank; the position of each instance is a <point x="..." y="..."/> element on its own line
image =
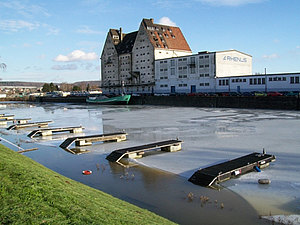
<point x="32" y="194"/>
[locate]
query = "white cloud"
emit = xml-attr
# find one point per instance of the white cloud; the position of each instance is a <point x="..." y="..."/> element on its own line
<point x="230" y="2"/>
<point x="16" y="25"/>
<point x="27" y="10"/>
<point x="166" y="21"/>
<point x="298" y="47"/>
<point x="76" y="55"/>
<point x="272" y="56"/>
<point x="87" y="30"/>
<point x="65" y="67"/>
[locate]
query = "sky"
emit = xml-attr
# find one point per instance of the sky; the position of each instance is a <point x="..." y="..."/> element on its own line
<point x="62" y="40"/>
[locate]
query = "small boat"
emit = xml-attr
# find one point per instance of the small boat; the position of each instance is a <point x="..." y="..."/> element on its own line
<point x="104" y="100"/>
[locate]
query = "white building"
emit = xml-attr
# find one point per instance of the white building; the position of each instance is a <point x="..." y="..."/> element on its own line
<point x="281" y="82"/>
<point x="198" y="72"/>
<point x="129" y="58"/>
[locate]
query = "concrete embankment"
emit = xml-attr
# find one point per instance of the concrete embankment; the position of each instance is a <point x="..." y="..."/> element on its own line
<point x="247" y="102"/>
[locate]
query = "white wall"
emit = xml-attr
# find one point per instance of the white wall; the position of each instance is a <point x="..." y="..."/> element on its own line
<point x="233" y="63"/>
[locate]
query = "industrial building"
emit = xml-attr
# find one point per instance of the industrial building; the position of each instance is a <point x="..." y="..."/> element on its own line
<point x="199" y="72"/>
<point x="157" y="59"/>
<point x="128" y="59"/>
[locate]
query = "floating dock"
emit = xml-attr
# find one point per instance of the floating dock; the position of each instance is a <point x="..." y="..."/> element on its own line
<point x="7" y="117"/>
<point x="88" y="140"/>
<point x="139" y="151"/>
<point x="232" y="168"/>
<point x="50" y="131"/>
<point x="19" y="121"/>
<point x="25" y="125"/>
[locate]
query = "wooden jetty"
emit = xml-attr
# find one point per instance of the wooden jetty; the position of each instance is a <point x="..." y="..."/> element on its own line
<point x="139" y="151"/>
<point x="7" y="117"/>
<point x="25" y="125"/>
<point x="88" y="140"/>
<point x="19" y="121"/>
<point x="50" y="131"/>
<point x="232" y="168"/>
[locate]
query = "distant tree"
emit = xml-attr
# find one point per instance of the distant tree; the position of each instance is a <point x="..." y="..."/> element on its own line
<point x="52" y="87"/>
<point x="76" y="88"/>
<point x="56" y="88"/>
<point x="66" y="87"/>
<point x="46" y="88"/>
<point x="88" y="87"/>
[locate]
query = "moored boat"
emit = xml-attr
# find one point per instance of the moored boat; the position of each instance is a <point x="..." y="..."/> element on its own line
<point x="104" y="100"/>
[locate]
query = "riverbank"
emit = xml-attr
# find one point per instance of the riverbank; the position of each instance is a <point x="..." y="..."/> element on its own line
<point x="31" y="193"/>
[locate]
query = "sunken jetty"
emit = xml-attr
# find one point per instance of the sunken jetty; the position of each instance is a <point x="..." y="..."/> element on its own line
<point x="139" y="151"/>
<point x="233" y="168"/>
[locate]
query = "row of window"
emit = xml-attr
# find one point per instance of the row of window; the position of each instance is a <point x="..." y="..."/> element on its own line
<point x="277" y="78"/>
<point x="203" y="57"/>
<point x="202" y="66"/>
<point x="294" y="80"/>
<point x="237" y="80"/>
<point x="254" y="81"/>
<point x="143" y="60"/>
<point x="142" y="54"/>
<point x="204" y="84"/>
<point x="223" y="82"/>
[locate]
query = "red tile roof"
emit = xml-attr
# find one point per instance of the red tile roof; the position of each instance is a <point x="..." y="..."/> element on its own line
<point x="167" y="37"/>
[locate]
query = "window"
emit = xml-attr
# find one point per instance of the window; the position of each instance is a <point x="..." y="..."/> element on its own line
<point x="206" y="56"/>
<point x="227" y="82"/>
<point x="193" y="70"/>
<point x="292" y="80"/>
<point x="206" y="84"/>
<point x="206" y="65"/>
<point x="251" y="81"/>
<point x="200" y="57"/>
<point x="201" y="66"/>
<point x="192" y="60"/>
<point x="263" y="80"/>
<point x="297" y="80"/>
<point x="259" y="81"/>
<point x="172" y="62"/>
<point x="172" y="71"/>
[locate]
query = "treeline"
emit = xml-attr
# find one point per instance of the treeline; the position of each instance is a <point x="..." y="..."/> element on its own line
<point x="50" y="87"/>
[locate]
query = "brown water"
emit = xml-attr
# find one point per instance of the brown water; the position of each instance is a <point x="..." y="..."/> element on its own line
<point x="166" y="194"/>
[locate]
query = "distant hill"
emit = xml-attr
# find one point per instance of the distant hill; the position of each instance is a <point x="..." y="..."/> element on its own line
<point x="40" y="84"/>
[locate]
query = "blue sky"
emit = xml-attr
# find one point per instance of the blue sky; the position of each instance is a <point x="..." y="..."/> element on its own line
<point x="61" y="40"/>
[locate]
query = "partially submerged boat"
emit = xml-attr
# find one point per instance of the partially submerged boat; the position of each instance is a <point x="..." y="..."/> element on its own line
<point x="104" y="100"/>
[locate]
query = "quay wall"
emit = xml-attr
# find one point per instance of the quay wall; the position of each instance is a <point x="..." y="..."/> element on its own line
<point x="247" y="102"/>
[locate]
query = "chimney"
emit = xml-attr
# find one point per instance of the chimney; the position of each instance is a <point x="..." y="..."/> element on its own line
<point x="152" y="20"/>
<point x="121" y="35"/>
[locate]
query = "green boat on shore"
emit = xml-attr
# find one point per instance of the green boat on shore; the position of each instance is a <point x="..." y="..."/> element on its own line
<point x="104" y="100"/>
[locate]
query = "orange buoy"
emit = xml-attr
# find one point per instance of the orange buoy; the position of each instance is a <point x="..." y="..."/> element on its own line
<point x="86" y="172"/>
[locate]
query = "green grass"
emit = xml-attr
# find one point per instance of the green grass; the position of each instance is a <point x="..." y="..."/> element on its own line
<point x="32" y="194"/>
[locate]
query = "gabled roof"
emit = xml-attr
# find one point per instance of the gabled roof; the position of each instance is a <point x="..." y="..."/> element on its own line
<point x="167" y="37"/>
<point x="123" y="45"/>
